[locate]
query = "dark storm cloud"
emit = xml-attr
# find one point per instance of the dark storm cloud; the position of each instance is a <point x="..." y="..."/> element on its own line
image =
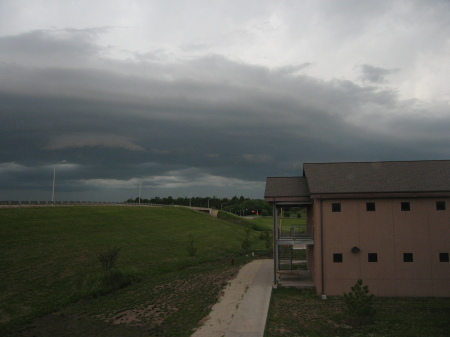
<point x="207" y="125"/>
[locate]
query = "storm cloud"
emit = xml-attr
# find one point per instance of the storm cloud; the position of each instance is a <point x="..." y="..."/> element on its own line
<point x="193" y="117"/>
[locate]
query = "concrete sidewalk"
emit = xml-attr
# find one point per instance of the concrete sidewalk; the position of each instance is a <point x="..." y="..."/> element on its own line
<point x="250" y="318"/>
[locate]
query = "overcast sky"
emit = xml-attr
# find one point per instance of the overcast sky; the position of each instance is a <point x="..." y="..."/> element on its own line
<point x="208" y="98"/>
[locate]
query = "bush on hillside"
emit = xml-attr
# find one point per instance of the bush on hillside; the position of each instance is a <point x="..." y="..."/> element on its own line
<point x="108" y="259"/>
<point x="266" y="236"/>
<point x="246" y="244"/>
<point x="113" y="279"/>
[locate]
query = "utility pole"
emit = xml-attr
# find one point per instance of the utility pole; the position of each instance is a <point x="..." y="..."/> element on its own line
<point x="54" y="179"/>
<point x="140" y="185"/>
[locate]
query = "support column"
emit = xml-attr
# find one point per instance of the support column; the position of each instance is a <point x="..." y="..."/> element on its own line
<point x="319" y="278"/>
<point x="275" y="243"/>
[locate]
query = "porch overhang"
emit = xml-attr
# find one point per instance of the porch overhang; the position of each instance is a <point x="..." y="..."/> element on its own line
<point x="289" y="201"/>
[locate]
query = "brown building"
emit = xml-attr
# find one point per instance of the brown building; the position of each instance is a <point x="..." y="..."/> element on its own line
<point x="387" y="223"/>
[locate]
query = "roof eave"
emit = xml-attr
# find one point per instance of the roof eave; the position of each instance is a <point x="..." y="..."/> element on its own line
<point x="381" y="195"/>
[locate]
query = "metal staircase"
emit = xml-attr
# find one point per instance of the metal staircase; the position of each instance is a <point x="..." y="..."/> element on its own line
<point x="285" y="257"/>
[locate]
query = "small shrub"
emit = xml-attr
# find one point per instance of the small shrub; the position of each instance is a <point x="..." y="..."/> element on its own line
<point x="265" y="212"/>
<point x="287" y="214"/>
<point x="112" y="279"/>
<point x="191" y="249"/>
<point x="299" y="215"/>
<point x="267" y="237"/>
<point x="246" y="244"/>
<point x="359" y="304"/>
<point x="108" y="259"/>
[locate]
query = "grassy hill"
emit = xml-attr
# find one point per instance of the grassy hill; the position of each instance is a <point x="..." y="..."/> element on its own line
<point x="49" y="264"/>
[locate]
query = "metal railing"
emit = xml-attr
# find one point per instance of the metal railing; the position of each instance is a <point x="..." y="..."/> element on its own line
<point x="73" y="203"/>
<point x="296" y="232"/>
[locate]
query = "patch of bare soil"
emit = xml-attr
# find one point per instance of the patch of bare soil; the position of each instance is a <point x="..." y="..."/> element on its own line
<point x="136" y="315"/>
<point x="161" y="307"/>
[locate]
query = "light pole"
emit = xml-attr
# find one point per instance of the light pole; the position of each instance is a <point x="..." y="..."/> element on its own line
<point x="140" y="185"/>
<point x="54" y="178"/>
<point x="208" y="202"/>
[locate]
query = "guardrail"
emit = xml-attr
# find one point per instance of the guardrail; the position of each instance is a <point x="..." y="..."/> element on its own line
<point x="74" y="203"/>
<point x="296" y="232"/>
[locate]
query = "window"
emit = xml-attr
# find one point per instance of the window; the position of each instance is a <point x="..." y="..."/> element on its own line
<point x="370" y="206"/>
<point x="443" y="257"/>
<point x="408" y="257"/>
<point x="336" y="207"/>
<point x="372" y="257"/>
<point x="405" y="206"/>
<point x="440" y="205"/>
<point x="337" y="257"/>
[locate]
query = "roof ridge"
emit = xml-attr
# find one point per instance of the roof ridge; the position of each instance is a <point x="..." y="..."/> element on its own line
<point x="381" y="161"/>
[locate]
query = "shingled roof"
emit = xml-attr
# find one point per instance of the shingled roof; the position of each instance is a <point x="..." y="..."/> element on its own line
<point x="363" y="177"/>
<point x="286" y="187"/>
<point x="379" y="177"/>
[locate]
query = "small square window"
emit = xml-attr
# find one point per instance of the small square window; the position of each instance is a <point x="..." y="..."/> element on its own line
<point x="372" y="257"/>
<point x="405" y="206"/>
<point x="440" y="205"/>
<point x="370" y="206"/>
<point x="336" y="207"/>
<point x="408" y="257"/>
<point x="337" y="257"/>
<point x="443" y="257"/>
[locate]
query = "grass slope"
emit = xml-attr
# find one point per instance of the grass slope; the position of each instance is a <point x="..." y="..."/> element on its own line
<point x="266" y="223"/>
<point x="48" y="261"/>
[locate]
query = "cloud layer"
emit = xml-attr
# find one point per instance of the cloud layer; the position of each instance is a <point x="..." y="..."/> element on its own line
<point x="215" y="111"/>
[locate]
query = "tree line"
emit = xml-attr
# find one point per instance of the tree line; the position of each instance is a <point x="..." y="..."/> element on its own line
<point x="238" y="205"/>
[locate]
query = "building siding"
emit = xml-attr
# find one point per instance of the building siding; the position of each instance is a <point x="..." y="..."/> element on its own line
<point x="389" y="232"/>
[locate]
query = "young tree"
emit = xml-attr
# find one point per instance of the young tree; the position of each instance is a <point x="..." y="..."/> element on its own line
<point x="359" y="303"/>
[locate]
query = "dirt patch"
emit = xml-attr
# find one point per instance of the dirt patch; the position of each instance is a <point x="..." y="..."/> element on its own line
<point x="137" y="315"/>
<point x="166" y="309"/>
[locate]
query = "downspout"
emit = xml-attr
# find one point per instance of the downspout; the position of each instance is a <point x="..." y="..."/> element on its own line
<point x="321" y="248"/>
<point x="275" y="244"/>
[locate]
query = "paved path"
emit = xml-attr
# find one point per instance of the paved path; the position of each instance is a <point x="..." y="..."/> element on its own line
<point x="242" y="310"/>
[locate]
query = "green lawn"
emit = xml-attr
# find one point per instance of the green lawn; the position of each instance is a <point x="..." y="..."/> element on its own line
<point x="49" y="263"/>
<point x="296" y="312"/>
